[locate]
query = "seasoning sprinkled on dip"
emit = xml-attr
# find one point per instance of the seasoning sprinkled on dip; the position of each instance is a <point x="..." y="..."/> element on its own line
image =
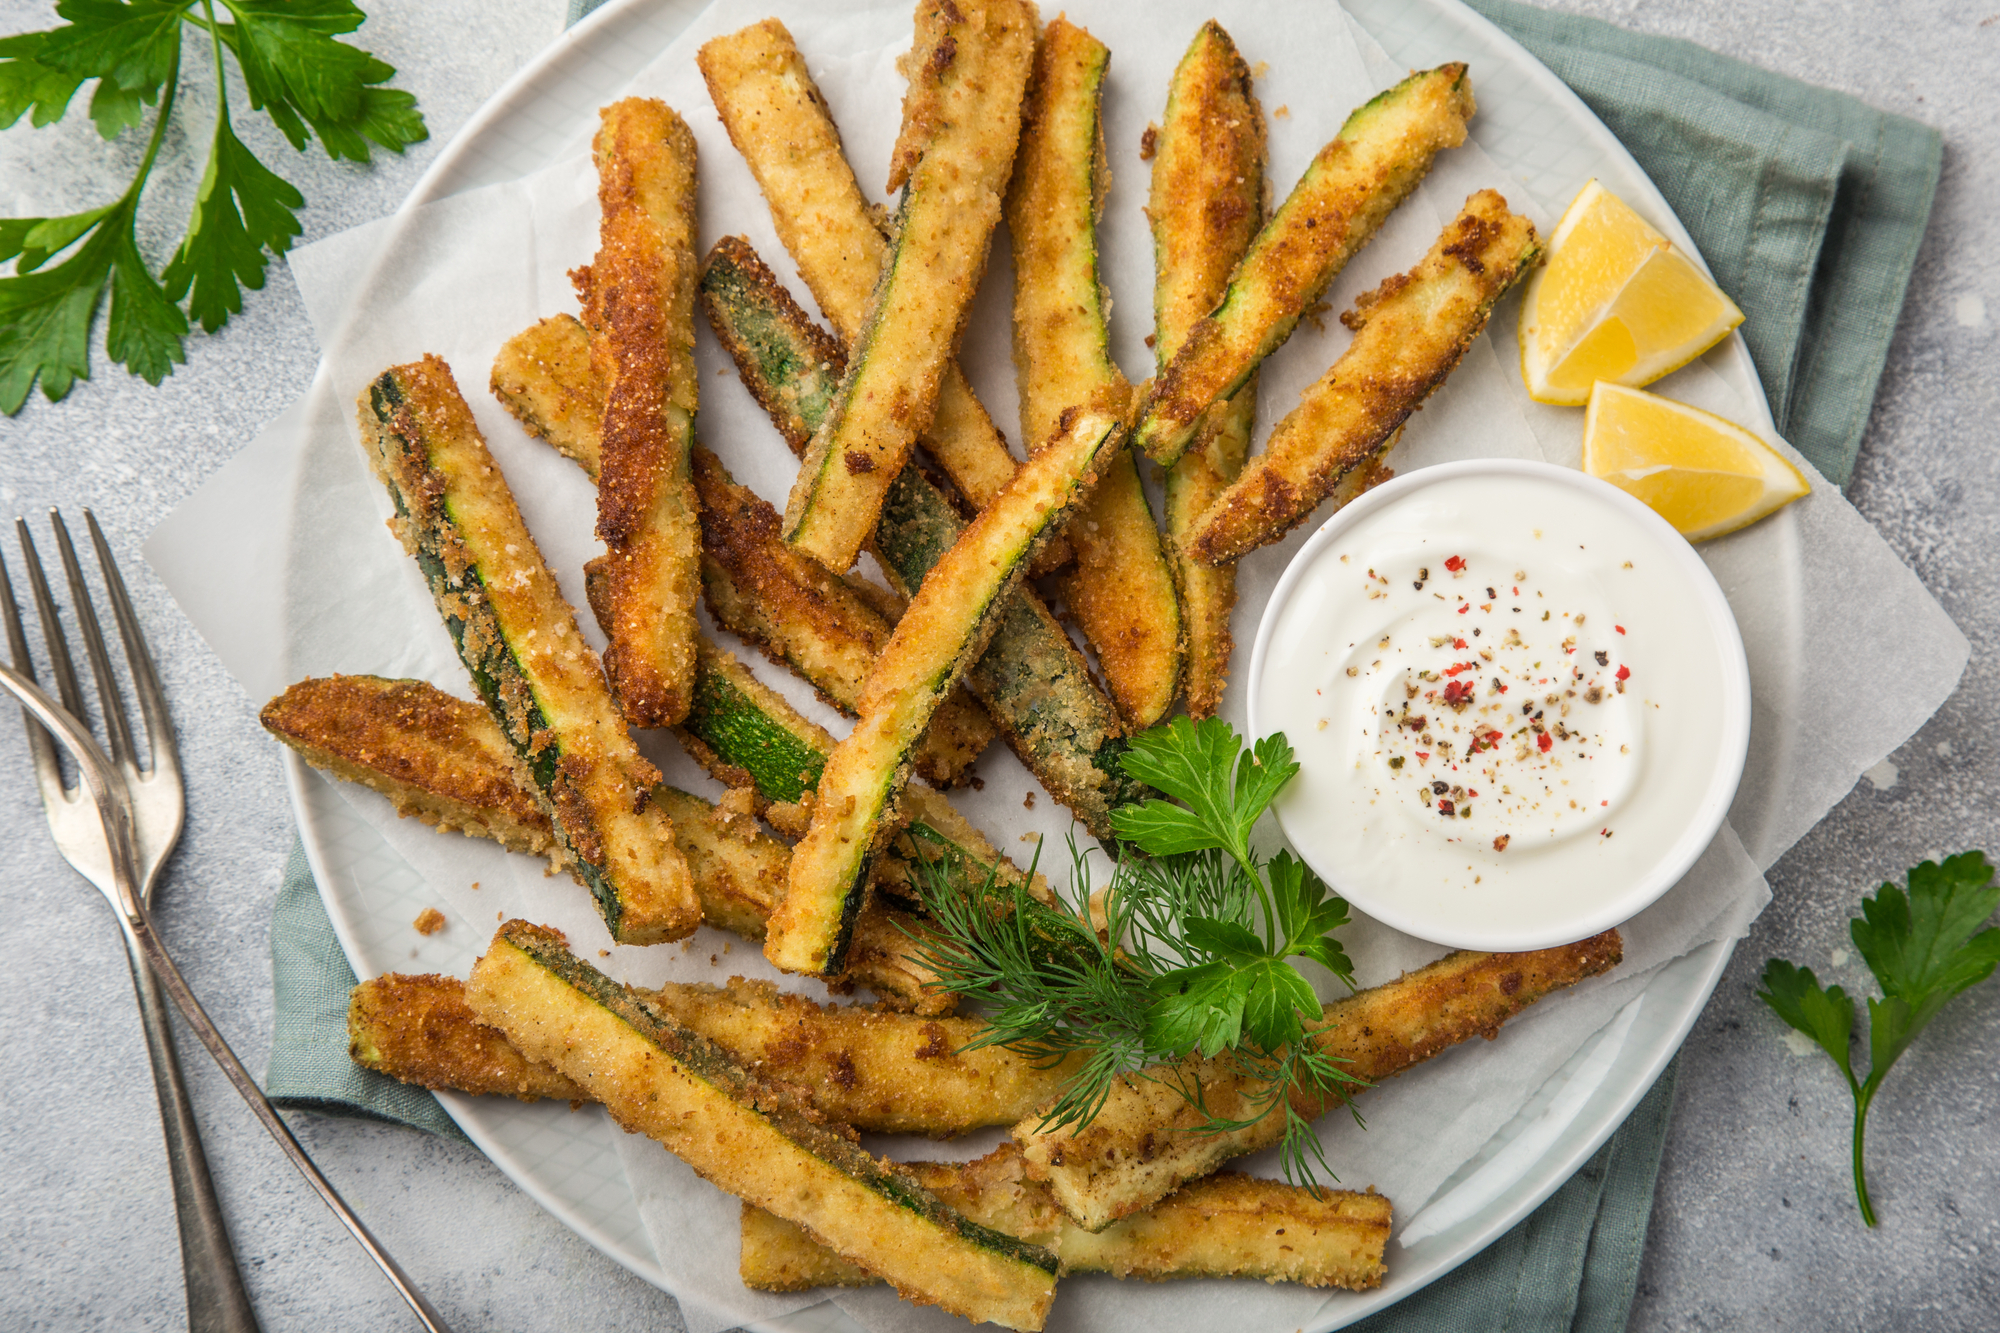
<point x="1510" y="699"/>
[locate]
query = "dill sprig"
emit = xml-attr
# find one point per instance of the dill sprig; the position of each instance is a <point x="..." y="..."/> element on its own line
<point x="1186" y="952"/>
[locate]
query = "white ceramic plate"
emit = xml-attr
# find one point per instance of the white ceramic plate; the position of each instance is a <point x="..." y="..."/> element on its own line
<point x="1541" y="135"/>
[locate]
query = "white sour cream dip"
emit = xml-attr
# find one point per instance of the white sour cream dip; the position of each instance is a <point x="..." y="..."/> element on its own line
<point x="1518" y="701"/>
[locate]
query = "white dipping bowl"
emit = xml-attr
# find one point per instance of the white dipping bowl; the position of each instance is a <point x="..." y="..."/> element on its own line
<point x="1656" y="757"/>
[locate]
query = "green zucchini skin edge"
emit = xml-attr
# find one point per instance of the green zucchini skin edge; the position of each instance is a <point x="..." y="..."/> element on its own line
<point x="385" y="397"/>
<point x="1030" y="677"/>
<point x="782" y="764"/>
<point x="703" y="1059"/>
<point x="785" y="764"/>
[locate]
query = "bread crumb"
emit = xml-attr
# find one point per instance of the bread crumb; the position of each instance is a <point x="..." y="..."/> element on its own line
<point x="475" y="886"/>
<point x="1028" y="803"/>
<point x="429" y="921"/>
<point x="1282" y="113"/>
<point x="604" y="953"/>
<point x="1260" y="69"/>
<point x="1149" y="142"/>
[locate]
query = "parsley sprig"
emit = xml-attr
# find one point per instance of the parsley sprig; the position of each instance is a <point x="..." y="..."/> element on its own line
<point x="1185" y="952"/>
<point x="1924" y="948"/>
<point x="294" y="70"/>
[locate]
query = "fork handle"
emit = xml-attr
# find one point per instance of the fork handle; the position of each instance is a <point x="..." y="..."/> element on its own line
<point x="139" y="925"/>
<point x="216" y="1300"/>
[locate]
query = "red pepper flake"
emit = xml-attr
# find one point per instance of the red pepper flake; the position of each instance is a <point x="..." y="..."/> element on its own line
<point x="1458" y="668"/>
<point x="1619" y="628"/>
<point x="1463" y="609"/>
<point x="1624" y="673"/>
<point x="1446" y="809"/>
<point x="1455" y="563"/>
<point x="1458" y="693"/>
<point x="1422" y="757"/>
<point x="1498" y="686"/>
<point x="1546" y="741"/>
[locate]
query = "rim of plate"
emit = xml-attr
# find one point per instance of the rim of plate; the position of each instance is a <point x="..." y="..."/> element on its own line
<point x="1607" y="1103"/>
<point x="1733" y="710"/>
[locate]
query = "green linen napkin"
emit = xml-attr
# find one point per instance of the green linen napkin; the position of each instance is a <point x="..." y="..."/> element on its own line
<point x="1809" y="207"/>
<point x="1807" y="204"/>
<point x="310" y="980"/>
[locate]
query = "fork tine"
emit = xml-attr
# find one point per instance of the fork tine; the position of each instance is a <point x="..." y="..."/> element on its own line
<point x="160" y="739"/>
<point x="93" y="646"/>
<point x="45" y="609"/>
<point x="48" y="772"/>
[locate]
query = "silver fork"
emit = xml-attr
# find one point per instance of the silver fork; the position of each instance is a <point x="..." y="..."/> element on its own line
<point x="118" y="839"/>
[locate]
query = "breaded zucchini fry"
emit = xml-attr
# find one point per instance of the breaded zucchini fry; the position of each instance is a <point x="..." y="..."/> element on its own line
<point x="1143" y="1145"/>
<point x="779" y="123"/>
<point x="545" y="377"/>
<point x="961" y="118"/>
<point x="1224" y="1226"/>
<point x="758" y="1140"/>
<point x="1354" y="183"/>
<point x="1121" y="592"/>
<point x="1207" y="201"/>
<point x="762" y="590"/>
<point x="446" y="761"/>
<point x="939" y="637"/>
<point x="1031" y="678"/>
<point x="881" y="1072"/>
<point x="1409" y="334"/>
<point x="638" y="303"/>
<point x="419" y="1029"/>
<point x="442" y="759"/>
<point x="518" y="639"/>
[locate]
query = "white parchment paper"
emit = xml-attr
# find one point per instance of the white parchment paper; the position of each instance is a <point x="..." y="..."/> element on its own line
<point x="282" y="562"/>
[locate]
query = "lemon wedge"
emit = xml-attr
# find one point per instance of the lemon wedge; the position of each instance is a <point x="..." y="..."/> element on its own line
<point x="1616" y="301"/>
<point x="1704" y="475"/>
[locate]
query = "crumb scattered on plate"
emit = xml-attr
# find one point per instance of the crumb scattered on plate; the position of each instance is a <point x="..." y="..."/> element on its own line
<point x="429" y="921"/>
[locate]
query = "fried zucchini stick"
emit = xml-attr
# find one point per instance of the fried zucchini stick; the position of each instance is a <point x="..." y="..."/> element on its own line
<point x="638" y="303"/>
<point x="1145" y="1141"/>
<point x="961" y="118"/>
<point x="778" y="120"/>
<point x="882" y="1072"/>
<point x="1409" y="334"/>
<point x="545" y="377"/>
<point x="1207" y="201"/>
<point x="823" y="627"/>
<point x="1224" y="1226"/>
<point x="756" y="1139"/>
<point x="760" y="589"/>
<point x="1355" y="182"/>
<point x="1121" y="592"/>
<point x="943" y="632"/>
<point x="445" y="761"/>
<point x="420" y="1029"/>
<point x="1031" y="677"/>
<point x="518" y="639"/>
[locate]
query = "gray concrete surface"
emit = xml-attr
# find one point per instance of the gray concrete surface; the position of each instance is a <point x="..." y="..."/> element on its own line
<point x="1754" y="1227"/>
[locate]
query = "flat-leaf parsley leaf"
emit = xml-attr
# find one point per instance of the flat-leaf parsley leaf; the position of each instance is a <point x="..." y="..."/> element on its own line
<point x="1924" y="948"/>
<point x="295" y="71"/>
